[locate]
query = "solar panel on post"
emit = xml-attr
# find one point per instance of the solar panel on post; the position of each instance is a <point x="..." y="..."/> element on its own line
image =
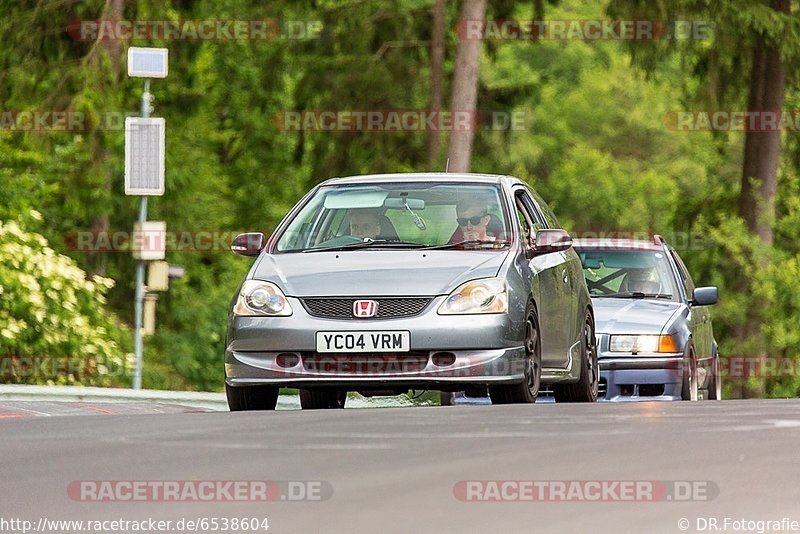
<point x="147" y="62"/>
<point x="144" y="156"/>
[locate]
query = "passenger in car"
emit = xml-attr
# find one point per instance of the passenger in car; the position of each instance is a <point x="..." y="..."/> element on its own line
<point x="367" y="223"/>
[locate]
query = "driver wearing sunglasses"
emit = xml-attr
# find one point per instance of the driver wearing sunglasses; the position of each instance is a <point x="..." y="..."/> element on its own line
<point x="473" y="220"/>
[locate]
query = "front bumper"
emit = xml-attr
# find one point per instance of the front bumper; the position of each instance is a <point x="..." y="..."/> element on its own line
<point x="643" y="377"/>
<point x="486" y="349"/>
<point x="635" y="378"/>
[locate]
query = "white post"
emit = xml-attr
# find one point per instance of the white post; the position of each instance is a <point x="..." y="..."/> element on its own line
<point x="139" y="298"/>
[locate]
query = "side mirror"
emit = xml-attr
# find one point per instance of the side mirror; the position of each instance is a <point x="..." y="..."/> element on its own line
<point x="705" y="296"/>
<point x="547" y="241"/>
<point x="249" y="244"/>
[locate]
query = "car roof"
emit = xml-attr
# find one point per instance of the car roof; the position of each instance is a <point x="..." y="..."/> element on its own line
<point x="613" y="243"/>
<point x="424" y="177"/>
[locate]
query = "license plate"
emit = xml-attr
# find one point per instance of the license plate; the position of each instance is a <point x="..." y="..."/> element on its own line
<point x="382" y="341"/>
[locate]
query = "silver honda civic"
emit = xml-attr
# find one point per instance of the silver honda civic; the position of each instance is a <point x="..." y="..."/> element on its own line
<point x="386" y="283"/>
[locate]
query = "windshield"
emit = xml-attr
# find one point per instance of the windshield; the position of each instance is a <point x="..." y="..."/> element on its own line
<point x="398" y="215"/>
<point x="627" y="273"/>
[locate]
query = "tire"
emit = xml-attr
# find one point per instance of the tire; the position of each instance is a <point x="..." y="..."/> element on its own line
<point x="715" y="382"/>
<point x="585" y="389"/>
<point x="314" y="399"/>
<point x="246" y="398"/>
<point x="446" y="398"/>
<point x="526" y="391"/>
<point x="689" y="382"/>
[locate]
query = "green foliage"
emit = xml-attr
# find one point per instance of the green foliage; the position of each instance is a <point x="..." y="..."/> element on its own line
<point x="594" y="143"/>
<point x="50" y="311"/>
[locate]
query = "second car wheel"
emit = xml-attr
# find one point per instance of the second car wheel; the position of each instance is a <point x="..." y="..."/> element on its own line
<point x="527" y="390"/>
<point x="585" y="389"/>
<point x="715" y="381"/>
<point x="321" y="399"/>
<point x="689" y="376"/>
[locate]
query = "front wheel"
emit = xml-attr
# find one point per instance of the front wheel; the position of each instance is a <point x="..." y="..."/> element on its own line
<point x="689" y="383"/>
<point x="585" y="389"/>
<point x="311" y="399"/>
<point x="526" y="391"/>
<point x="244" y="398"/>
<point x="715" y="382"/>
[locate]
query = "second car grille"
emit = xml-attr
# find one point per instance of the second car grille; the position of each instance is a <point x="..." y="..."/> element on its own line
<point x="342" y="308"/>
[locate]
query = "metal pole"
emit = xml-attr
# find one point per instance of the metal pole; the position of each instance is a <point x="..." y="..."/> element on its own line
<point x="139" y="297"/>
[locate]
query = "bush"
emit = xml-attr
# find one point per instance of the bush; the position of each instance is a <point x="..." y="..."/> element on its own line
<point x="54" y="328"/>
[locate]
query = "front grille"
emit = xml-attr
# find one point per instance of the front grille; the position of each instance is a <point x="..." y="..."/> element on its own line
<point x="342" y="308"/>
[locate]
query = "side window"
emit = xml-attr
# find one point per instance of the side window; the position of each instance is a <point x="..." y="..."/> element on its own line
<point x="686" y="278"/>
<point x="549" y="216"/>
<point x="537" y="220"/>
<point x="526" y="223"/>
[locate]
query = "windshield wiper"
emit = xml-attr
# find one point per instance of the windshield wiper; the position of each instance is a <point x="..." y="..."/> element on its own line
<point x="495" y="244"/>
<point x="391" y="243"/>
<point x="636" y="295"/>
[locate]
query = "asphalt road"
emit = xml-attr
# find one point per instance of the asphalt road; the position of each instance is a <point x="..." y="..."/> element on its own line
<point x="395" y="469"/>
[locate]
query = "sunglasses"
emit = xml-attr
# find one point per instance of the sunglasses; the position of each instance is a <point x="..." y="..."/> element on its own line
<point x="474" y="221"/>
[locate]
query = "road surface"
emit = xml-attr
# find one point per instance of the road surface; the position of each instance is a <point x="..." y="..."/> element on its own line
<point x="402" y="469"/>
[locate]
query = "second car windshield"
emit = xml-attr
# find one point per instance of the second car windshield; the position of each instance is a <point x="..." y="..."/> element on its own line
<point x="398" y="215"/>
<point x="627" y="273"/>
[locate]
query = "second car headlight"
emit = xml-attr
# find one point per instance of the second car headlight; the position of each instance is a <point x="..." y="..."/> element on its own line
<point x="488" y="295"/>
<point x="643" y="343"/>
<point x="261" y="299"/>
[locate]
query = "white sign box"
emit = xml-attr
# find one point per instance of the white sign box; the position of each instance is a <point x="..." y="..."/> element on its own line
<point x="148" y="62"/>
<point x="149" y="240"/>
<point x="144" y="156"/>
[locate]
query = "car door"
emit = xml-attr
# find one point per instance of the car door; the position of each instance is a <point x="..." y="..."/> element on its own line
<point x="570" y="277"/>
<point x="547" y="268"/>
<point x="700" y="322"/>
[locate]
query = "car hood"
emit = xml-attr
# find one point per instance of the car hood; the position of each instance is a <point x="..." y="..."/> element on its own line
<point x="632" y="316"/>
<point x="376" y="272"/>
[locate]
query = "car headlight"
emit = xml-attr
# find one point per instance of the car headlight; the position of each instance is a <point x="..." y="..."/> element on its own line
<point x="261" y="298"/>
<point x="488" y="295"/>
<point x="643" y="343"/>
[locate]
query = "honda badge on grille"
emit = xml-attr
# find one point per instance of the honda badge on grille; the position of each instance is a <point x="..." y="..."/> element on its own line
<point x="365" y="308"/>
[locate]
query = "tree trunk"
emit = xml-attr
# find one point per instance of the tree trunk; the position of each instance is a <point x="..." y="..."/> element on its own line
<point x="437" y="60"/>
<point x="100" y="150"/>
<point x="465" y="89"/>
<point x="762" y="150"/>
